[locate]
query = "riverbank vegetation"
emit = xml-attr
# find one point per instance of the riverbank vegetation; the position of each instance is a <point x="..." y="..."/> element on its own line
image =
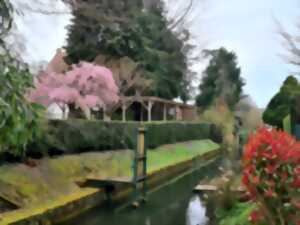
<point x="270" y="174"/>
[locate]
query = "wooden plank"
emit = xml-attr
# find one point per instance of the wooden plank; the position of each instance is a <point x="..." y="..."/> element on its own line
<point x="239" y="189"/>
<point x="201" y="188"/>
<point x="205" y="188"/>
<point x="111" y="179"/>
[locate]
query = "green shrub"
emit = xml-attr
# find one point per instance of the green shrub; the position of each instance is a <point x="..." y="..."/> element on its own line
<point x="238" y="215"/>
<point x="73" y="136"/>
<point x="282" y="103"/>
<point x="19" y="118"/>
<point x="223" y="117"/>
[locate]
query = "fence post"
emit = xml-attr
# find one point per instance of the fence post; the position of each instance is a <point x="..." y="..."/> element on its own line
<point x="140" y="168"/>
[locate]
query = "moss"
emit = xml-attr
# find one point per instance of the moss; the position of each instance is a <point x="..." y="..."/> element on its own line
<point x="52" y="182"/>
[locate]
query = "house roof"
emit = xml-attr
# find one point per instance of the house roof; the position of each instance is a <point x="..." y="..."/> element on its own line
<point x="58" y="64"/>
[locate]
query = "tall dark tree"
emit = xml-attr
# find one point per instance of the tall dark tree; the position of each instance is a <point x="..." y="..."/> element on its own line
<point x="6" y="20"/>
<point x="221" y="79"/>
<point x="125" y="29"/>
<point x="281" y="104"/>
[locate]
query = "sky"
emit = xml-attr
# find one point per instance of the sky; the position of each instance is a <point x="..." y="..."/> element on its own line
<point x="246" y="27"/>
<point x="42" y="34"/>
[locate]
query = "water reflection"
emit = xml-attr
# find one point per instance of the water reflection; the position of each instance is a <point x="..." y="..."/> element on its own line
<point x="196" y="212"/>
<point x="173" y="204"/>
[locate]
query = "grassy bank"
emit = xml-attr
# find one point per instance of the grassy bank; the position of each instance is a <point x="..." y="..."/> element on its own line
<point x="52" y="182"/>
<point x="238" y="215"/>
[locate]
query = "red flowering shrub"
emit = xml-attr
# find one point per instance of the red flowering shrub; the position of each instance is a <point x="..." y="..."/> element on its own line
<point x="272" y="177"/>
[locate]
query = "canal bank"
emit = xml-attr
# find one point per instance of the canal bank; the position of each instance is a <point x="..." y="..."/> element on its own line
<point x="178" y="158"/>
<point x="170" y="203"/>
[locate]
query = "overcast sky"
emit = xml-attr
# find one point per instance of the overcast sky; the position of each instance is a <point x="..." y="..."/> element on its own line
<point x="248" y="28"/>
<point x="244" y="26"/>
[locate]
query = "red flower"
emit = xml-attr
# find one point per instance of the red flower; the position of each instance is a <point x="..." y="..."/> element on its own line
<point x="296" y="182"/>
<point x="271" y="159"/>
<point x="269" y="193"/>
<point x="254" y="216"/>
<point x="297" y="204"/>
<point x="270" y="169"/>
<point x="245" y="180"/>
<point x="284" y="176"/>
<point x="297" y="170"/>
<point x="254" y="180"/>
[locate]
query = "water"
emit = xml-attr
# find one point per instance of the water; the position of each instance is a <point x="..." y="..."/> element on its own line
<point x="173" y="204"/>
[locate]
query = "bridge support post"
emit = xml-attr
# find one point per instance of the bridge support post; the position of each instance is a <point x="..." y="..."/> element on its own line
<point x="140" y="169"/>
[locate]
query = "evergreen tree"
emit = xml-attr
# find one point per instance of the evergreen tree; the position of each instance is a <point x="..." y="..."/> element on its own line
<point x="221" y="80"/>
<point x="281" y="104"/>
<point x="125" y="29"/>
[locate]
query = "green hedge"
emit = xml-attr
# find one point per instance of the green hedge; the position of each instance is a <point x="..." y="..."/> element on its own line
<point x="74" y="136"/>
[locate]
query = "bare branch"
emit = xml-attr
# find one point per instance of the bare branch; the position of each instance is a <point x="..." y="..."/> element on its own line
<point x="291" y="44"/>
<point x="41" y="7"/>
<point x="186" y="12"/>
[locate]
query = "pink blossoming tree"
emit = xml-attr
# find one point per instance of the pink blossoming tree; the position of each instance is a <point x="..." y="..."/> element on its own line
<point x="84" y="87"/>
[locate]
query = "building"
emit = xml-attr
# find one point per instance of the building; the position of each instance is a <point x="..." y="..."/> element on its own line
<point x="148" y="108"/>
<point x="57" y="63"/>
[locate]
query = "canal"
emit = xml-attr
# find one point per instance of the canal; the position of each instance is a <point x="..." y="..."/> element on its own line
<point x="172" y="204"/>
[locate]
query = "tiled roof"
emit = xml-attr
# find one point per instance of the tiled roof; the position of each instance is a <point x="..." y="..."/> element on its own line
<point x="58" y="64"/>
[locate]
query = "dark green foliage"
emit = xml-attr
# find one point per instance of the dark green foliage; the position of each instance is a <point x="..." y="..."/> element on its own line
<point x="280" y="105"/>
<point x="141" y="35"/>
<point x="6" y="19"/>
<point x="237" y="215"/>
<point x="19" y="118"/>
<point x="74" y="136"/>
<point x="221" y="80"/>
<point x="169" y="133"/>
<point x="101" y="27"/>
<point x="162" y="56"/>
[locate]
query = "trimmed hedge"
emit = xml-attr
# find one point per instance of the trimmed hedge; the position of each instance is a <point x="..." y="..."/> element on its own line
<point x="75" y="136"/>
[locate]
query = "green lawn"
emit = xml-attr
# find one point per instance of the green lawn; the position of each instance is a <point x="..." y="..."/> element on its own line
<point x="172" y="154"/>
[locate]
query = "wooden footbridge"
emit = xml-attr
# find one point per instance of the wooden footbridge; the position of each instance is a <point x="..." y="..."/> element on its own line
<point x="137" y="182"/>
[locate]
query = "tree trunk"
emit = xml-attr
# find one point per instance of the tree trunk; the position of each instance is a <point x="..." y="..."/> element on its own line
<point x="75" y="113"/>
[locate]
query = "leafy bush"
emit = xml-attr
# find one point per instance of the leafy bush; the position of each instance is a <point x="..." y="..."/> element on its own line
<point x="225" y="198"/>
<point x="272" y="176"/>
<point x="224" y="120"/>
<point x="72" y="136"/>
<point x="19" y="118"/>
<point x="236" y="215"/>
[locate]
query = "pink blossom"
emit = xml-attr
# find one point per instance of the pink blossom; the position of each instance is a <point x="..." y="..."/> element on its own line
<point x="86" y="86"/>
